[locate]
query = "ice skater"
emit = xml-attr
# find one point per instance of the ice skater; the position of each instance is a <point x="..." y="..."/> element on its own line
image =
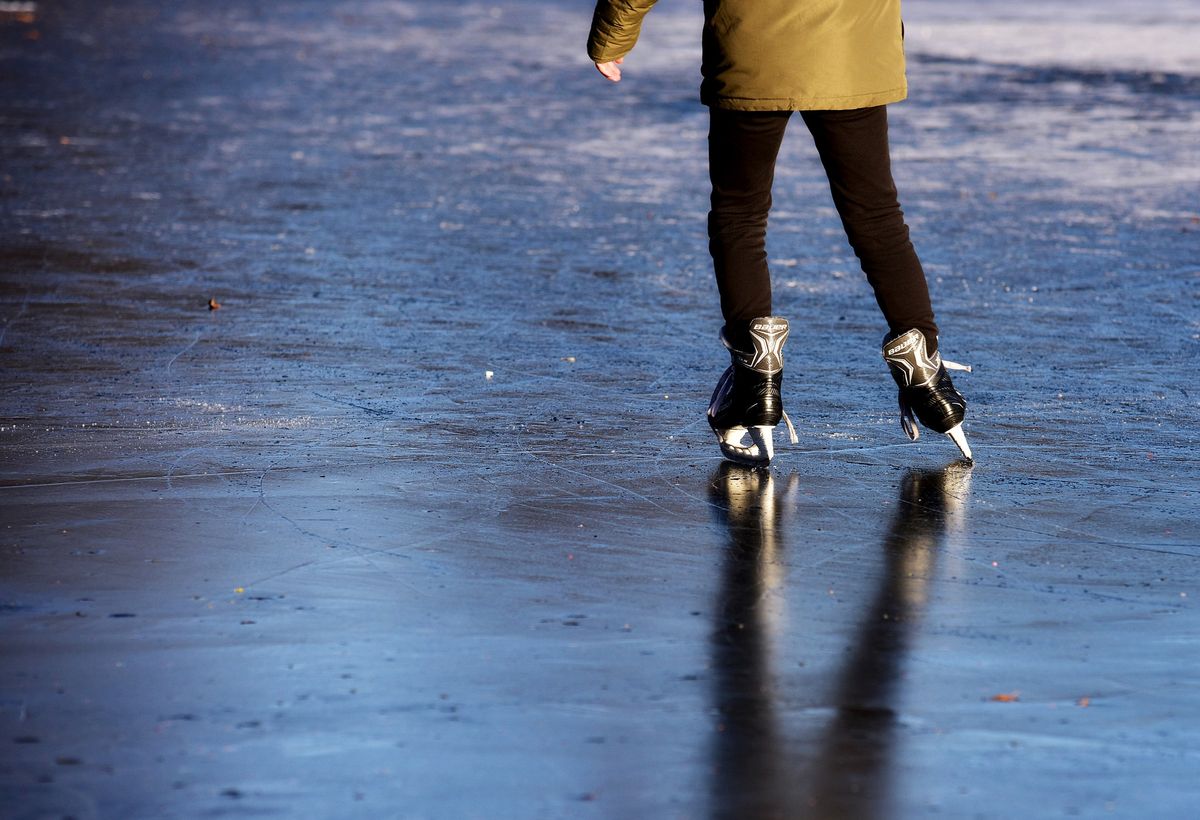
<point x="839" y="64"/>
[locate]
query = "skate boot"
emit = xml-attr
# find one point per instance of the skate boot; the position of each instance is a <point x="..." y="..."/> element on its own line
<point x="747" y="400"/>
<point x="925" y="388"/>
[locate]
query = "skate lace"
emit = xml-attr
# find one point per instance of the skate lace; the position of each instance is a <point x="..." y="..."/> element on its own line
<point x="795" y="439"/>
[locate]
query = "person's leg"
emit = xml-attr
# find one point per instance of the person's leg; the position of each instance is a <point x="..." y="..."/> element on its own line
<point x="742" y="147"/>
<point x="854" y="150"/>
<point x="747" y="401"/>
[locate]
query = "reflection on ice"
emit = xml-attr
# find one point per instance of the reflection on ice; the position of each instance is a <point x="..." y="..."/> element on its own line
<point x="757" y="770"/>
<point x="390" y="199"/>
<point x="751" y="777"/>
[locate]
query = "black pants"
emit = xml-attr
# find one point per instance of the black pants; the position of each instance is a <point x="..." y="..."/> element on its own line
<point x="853" y="146"/>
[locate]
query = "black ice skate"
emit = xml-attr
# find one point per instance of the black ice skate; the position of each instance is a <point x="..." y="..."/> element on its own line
<point x="747" y="400"/>
<point x="925" y="388"/>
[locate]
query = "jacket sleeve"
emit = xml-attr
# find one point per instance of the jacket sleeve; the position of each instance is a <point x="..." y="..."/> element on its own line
<point x="615" y="28"/>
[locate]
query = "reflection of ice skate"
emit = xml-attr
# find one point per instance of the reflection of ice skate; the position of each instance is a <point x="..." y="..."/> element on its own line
<point x="752" y="511"/>
<point x="747" y="402"/>
<point x="944" y="490"/>
<point x="926" y="391"/>
<point x="952" y="485"/>
<point x="748" y="497"/>
<point x="932" y="504"/>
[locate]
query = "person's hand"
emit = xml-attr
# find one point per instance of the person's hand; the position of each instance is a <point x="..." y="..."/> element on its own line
<point x="611" y="70"/>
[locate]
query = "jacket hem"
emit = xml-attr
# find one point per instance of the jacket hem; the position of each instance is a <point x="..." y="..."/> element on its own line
<point x="842" y="103"/>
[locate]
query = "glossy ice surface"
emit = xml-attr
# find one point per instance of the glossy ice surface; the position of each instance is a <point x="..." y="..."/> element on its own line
<point x="425" y="520"/>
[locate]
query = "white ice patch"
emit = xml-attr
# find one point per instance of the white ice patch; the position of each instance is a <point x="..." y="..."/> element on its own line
<point x="1101" y="34"/>
<point x="243" y="421"/>
<point x="205" y="406"/>
<point x="1107" y="35"/>
<point x="1110" y="35"/>
<point x="280" y="423"/>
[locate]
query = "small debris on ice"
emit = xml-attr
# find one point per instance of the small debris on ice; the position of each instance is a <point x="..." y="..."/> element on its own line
<point x="213" y="304"/>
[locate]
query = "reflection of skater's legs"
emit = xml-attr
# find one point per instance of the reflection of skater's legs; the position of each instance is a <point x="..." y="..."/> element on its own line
<point x="752" y="775"/>
<point x="856" y="759"/>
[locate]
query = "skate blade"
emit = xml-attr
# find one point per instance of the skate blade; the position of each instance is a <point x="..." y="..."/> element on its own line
<point x="957" y="435"/>
<point x="759" y="452"/>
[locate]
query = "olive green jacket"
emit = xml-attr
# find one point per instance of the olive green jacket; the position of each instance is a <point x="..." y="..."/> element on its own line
<point x="780" y="55"/>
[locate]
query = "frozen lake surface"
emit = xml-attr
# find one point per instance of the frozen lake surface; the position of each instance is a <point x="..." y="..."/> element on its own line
<point x="301" y="556"/>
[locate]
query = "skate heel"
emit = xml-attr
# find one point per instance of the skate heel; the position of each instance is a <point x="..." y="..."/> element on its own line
<point x="752" y="453"/>
<point x="758" y="452"/>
